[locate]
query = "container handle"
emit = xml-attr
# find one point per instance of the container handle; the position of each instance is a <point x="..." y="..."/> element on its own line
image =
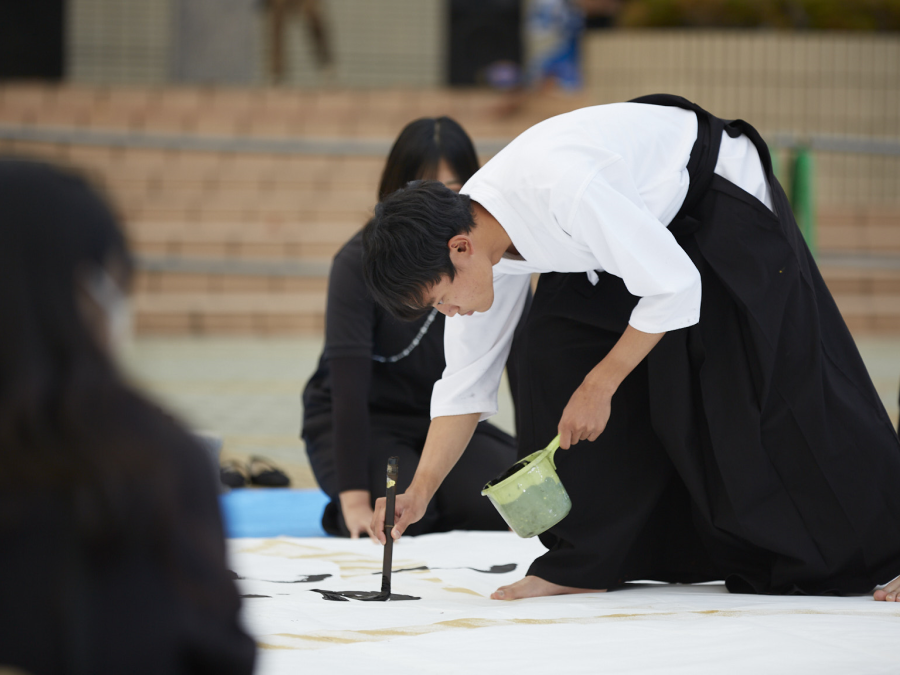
<point x="551" y="450"/>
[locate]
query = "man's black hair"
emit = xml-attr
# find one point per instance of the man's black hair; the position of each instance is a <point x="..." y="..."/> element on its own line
<point x="405" y="249"/>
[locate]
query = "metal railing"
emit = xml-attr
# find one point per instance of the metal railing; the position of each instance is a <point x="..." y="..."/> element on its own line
<point x="335" y="147"/>
<point x="798" y="176"/>
<point x="796" y="172"/>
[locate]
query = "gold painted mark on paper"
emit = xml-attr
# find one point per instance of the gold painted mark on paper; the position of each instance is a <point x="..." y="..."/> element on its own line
<point x="351" y="564"/>
<point x="320" y="639"/>
<point x="459" y="589"/>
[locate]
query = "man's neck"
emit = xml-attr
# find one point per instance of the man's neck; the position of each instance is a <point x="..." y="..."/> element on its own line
<point x="491" y="234"/>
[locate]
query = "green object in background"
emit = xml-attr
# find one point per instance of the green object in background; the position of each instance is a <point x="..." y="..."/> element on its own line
<point x="845" y="15"/>
<point x="802" y="194"/>
<point x="797" y="177"/>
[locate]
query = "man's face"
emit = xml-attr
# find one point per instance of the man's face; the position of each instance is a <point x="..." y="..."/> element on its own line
<point x="471" y="291"/>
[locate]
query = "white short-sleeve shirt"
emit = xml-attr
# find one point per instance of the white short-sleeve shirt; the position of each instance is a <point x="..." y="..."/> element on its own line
<point x="591" y="190"/>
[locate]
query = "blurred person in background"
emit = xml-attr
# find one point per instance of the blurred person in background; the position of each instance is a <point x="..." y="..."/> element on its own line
<point x="280" y="12"/>
<point x="555" y="28"/>
<point x="112" y="556"/>
<point x="555" y="31"/>
<point x="369" y="397"/>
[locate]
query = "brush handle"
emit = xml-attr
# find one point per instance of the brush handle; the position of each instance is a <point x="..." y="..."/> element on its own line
<point x="393" y="470"/>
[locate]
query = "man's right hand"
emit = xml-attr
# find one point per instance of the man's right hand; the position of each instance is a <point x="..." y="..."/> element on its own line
<point x="408" y="509"/>
<point x="357" y="512"/>
<point x="447" y="439"/>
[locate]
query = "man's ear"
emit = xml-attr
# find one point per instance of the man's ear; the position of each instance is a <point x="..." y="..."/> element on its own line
<point x="461" y="243"/>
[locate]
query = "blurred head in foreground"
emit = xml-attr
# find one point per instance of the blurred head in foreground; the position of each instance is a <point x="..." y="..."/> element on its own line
<point x="64" y="268"/>
<point x="111" y="545"/>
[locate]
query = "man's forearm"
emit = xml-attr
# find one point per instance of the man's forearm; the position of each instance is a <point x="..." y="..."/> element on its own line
<point x="588" y="411"/>
<point x="624" y="357"/>
<point x="447" y="439"/>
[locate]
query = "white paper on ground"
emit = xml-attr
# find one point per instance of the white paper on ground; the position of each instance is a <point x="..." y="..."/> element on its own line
<point x="643" y="629"/>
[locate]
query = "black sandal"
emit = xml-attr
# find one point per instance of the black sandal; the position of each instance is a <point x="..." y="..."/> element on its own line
<point x="265" y="474"/>
<point x="233" y="473"/>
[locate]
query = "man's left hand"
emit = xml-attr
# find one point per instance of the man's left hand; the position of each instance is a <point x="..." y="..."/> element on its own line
<point x="586" y="414"/>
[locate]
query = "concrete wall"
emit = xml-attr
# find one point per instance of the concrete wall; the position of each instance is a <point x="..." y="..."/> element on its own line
<point x="377" y="43"/>
<point x="118" y="41"/>
<point x="840" y="83"/>
<point x="845" y="84"/>
<point x="215" y="42"/>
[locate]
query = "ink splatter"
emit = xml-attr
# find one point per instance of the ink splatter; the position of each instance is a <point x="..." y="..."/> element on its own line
<point x="495" y="569"/>
<point x="311" y="577"/>
<point x="306" y="579"/>
<point x="498" y="569"/>
<point x="330" y="595"/>
<point x="376" y="596"/>
<point x="250" y="595"/>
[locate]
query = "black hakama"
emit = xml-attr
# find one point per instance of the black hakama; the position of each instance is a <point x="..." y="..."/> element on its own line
<point x="750" y="447"/>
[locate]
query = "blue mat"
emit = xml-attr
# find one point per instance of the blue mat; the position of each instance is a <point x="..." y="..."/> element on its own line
<point x="262" y="512"/>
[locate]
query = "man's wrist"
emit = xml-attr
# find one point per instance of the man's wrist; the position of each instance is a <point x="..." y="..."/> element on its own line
<point x="603" y="380"/>
<point x="419" y="491"/>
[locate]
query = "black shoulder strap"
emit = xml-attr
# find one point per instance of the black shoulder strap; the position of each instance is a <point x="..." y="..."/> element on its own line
<point x="733" y="128"/>
<point x="704" y="154"/>
<point x="670" y="100"/>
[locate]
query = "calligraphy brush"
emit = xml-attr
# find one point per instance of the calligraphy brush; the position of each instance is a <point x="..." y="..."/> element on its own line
<point x="393" y="470"/>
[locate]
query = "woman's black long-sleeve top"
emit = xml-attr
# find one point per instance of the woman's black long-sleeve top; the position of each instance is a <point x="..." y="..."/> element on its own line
<point x="373" y="365"/>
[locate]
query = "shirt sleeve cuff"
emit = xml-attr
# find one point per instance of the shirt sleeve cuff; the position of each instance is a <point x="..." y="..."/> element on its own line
<point x="649" y="327"/>
<point x="485" y="409"/>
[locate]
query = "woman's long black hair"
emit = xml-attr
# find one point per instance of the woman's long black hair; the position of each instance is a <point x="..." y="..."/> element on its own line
<point x="419" y="149"/>
<point x="71" y="428"/>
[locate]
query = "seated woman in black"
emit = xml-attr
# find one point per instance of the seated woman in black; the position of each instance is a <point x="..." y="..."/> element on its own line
<point x="112" y="556"/>
<point x="369" y="398"/>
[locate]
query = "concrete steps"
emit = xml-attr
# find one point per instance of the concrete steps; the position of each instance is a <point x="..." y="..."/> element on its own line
<point x="257" y="111"/>
<point x="229" y="313"/>
<point x="869" y="298"/>
<point x="250" y="240"/>
<point x="240" y="241"/>
<point x="860" y="261"/>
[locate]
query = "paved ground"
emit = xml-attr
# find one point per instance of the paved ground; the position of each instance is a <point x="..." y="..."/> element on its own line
<point x="245" y="390"/>
<point x="248" y="390"/>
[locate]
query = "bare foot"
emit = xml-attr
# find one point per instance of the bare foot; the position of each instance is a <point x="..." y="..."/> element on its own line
<point x="535" y="587"/>
<point x="890" y="593"/>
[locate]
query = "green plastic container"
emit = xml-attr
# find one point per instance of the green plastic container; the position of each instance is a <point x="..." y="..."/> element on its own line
<point x="529" y="495"/>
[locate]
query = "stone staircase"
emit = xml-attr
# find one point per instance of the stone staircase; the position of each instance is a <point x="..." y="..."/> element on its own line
<point x="860" y="260"/>
<point x="237" y="239"/>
